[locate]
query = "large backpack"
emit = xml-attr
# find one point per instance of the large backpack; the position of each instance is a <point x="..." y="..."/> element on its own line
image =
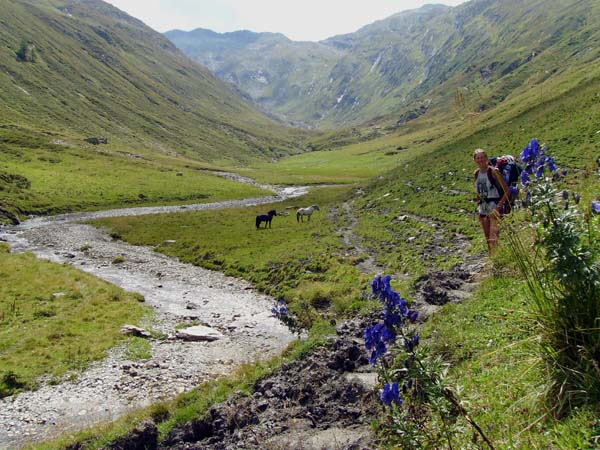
<point x="509" y="168"/>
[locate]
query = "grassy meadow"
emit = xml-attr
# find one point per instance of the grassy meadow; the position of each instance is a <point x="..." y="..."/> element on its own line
<point x="55" y="320"/>
<point x="67" y="176"/>
<point x="304" y="263"/>
<point x="411" y="192"/>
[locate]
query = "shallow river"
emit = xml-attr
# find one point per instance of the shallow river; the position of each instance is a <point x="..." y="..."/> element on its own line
<point x="177" y="292"/>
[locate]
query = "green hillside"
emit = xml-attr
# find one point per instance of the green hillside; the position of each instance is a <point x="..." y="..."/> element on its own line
<point x="74" y="70"/>
<point x="98" y="72"/>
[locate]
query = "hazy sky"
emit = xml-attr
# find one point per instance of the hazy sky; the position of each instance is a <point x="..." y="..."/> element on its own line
<point x="300" y="20"/>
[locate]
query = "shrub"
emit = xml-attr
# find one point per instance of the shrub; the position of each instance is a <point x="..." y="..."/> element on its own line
<point x="26" y="52"/>
<point x="11" y="383"/>
<point x="562" y="271"/>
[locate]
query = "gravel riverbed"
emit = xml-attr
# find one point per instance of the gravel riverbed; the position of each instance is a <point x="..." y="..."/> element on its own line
<point x="177" y="292"/>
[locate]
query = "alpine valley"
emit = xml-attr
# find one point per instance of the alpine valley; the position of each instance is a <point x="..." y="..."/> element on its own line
<point x="194" y="229"/>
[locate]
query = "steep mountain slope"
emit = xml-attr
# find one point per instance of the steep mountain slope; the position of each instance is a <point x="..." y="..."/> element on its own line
<point x="452" y="60"/>
<point x="83" y="68"/>
<point x="273" y="70"/>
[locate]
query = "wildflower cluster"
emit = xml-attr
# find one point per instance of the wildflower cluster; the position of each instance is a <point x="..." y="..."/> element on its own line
<point x="563" y="276"/>
<point x="281" y="311"/>
<point x="421" y="409"/>
<point x="395" y="314"/>
<point x="537" y="161"/>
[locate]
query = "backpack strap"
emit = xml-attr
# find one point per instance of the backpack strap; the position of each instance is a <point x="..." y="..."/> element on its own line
<point x="498" y="182"/>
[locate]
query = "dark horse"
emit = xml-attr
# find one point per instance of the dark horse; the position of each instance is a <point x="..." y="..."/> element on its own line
<point x="266" y="218"/>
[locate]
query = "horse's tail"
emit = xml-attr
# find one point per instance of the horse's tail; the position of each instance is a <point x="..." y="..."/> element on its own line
<point x="257" y="222"/>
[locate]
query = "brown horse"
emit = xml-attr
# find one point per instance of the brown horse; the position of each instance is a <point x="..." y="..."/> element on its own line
<point x="266" y="218"/>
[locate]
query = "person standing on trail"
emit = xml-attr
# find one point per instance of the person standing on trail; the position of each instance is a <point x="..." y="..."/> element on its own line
<point x="492" y="195"/>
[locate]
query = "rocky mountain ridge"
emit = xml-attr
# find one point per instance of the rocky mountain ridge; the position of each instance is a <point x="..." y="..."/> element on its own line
<point x="398" y="68"/>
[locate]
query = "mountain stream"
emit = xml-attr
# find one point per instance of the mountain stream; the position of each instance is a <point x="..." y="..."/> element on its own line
<point x="177" y="292"/>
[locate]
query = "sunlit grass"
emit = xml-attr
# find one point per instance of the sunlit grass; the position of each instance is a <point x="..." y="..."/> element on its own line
<point x="55" y="319"/>
<point x="492" y="347"/>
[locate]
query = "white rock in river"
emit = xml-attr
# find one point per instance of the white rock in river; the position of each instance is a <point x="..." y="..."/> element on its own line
<point x="199" y="333"/>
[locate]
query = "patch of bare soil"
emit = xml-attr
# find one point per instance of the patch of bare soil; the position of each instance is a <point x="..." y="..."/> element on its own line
<point x="325" y="401"/>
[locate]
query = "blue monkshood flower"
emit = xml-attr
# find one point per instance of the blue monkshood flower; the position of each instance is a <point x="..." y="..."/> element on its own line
<point x="566" y="204"/>
<point x="524" y="178"/>
<point x="388" y="335"/>
<point x="564" y="172"/>
<point x="373" y="336"/>
<point x="378" y="352"/>
<point x="542" y="161"/>
<point x="552" y="165"/>
<point x="565" y="194"/>
<point x="577" y="198"/>
<point x="596" y="207"/>
<point x="392" y="319"/>
<point x="412" y="343"/>
<point x="280" y="309"/>
<point x="529" y="168"/>
<point x="403" y="307"/>
<point x="393" y="298"/>
<point x="391" y="394"/>
<point x="413" y="316"/>
<point x="540" y="171"/>
<point x="385" y="281"/>
<point x="375" y="286"/>
<point x="531" y="152"/>
<point x="514" y="191"/>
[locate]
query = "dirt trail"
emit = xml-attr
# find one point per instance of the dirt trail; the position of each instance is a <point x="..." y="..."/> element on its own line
<point x="177" y="292"/>
<point x="435" y="288"/>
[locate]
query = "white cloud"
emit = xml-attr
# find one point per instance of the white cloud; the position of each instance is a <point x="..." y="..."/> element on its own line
<point x="298" y="19"/>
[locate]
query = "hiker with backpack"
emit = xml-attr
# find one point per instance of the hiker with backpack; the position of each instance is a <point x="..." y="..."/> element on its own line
<point x="493" y="197"/>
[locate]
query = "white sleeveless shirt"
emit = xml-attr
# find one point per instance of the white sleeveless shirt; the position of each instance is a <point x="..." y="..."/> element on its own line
<point x="488" y="194"/>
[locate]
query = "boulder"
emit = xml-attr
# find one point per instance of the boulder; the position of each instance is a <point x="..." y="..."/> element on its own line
<point x="198" y="333"/>
<point x="132" y="330"/>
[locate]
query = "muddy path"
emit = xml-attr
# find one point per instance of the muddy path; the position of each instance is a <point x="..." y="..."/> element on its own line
<point x="229" y="308"/>
<point x="432" y="289"/>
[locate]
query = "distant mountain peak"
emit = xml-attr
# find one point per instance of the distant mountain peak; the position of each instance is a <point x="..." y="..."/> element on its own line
<point x="387" y="68"/>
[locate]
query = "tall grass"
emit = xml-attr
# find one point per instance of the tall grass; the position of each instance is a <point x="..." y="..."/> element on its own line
<point x="562" y="271"/>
